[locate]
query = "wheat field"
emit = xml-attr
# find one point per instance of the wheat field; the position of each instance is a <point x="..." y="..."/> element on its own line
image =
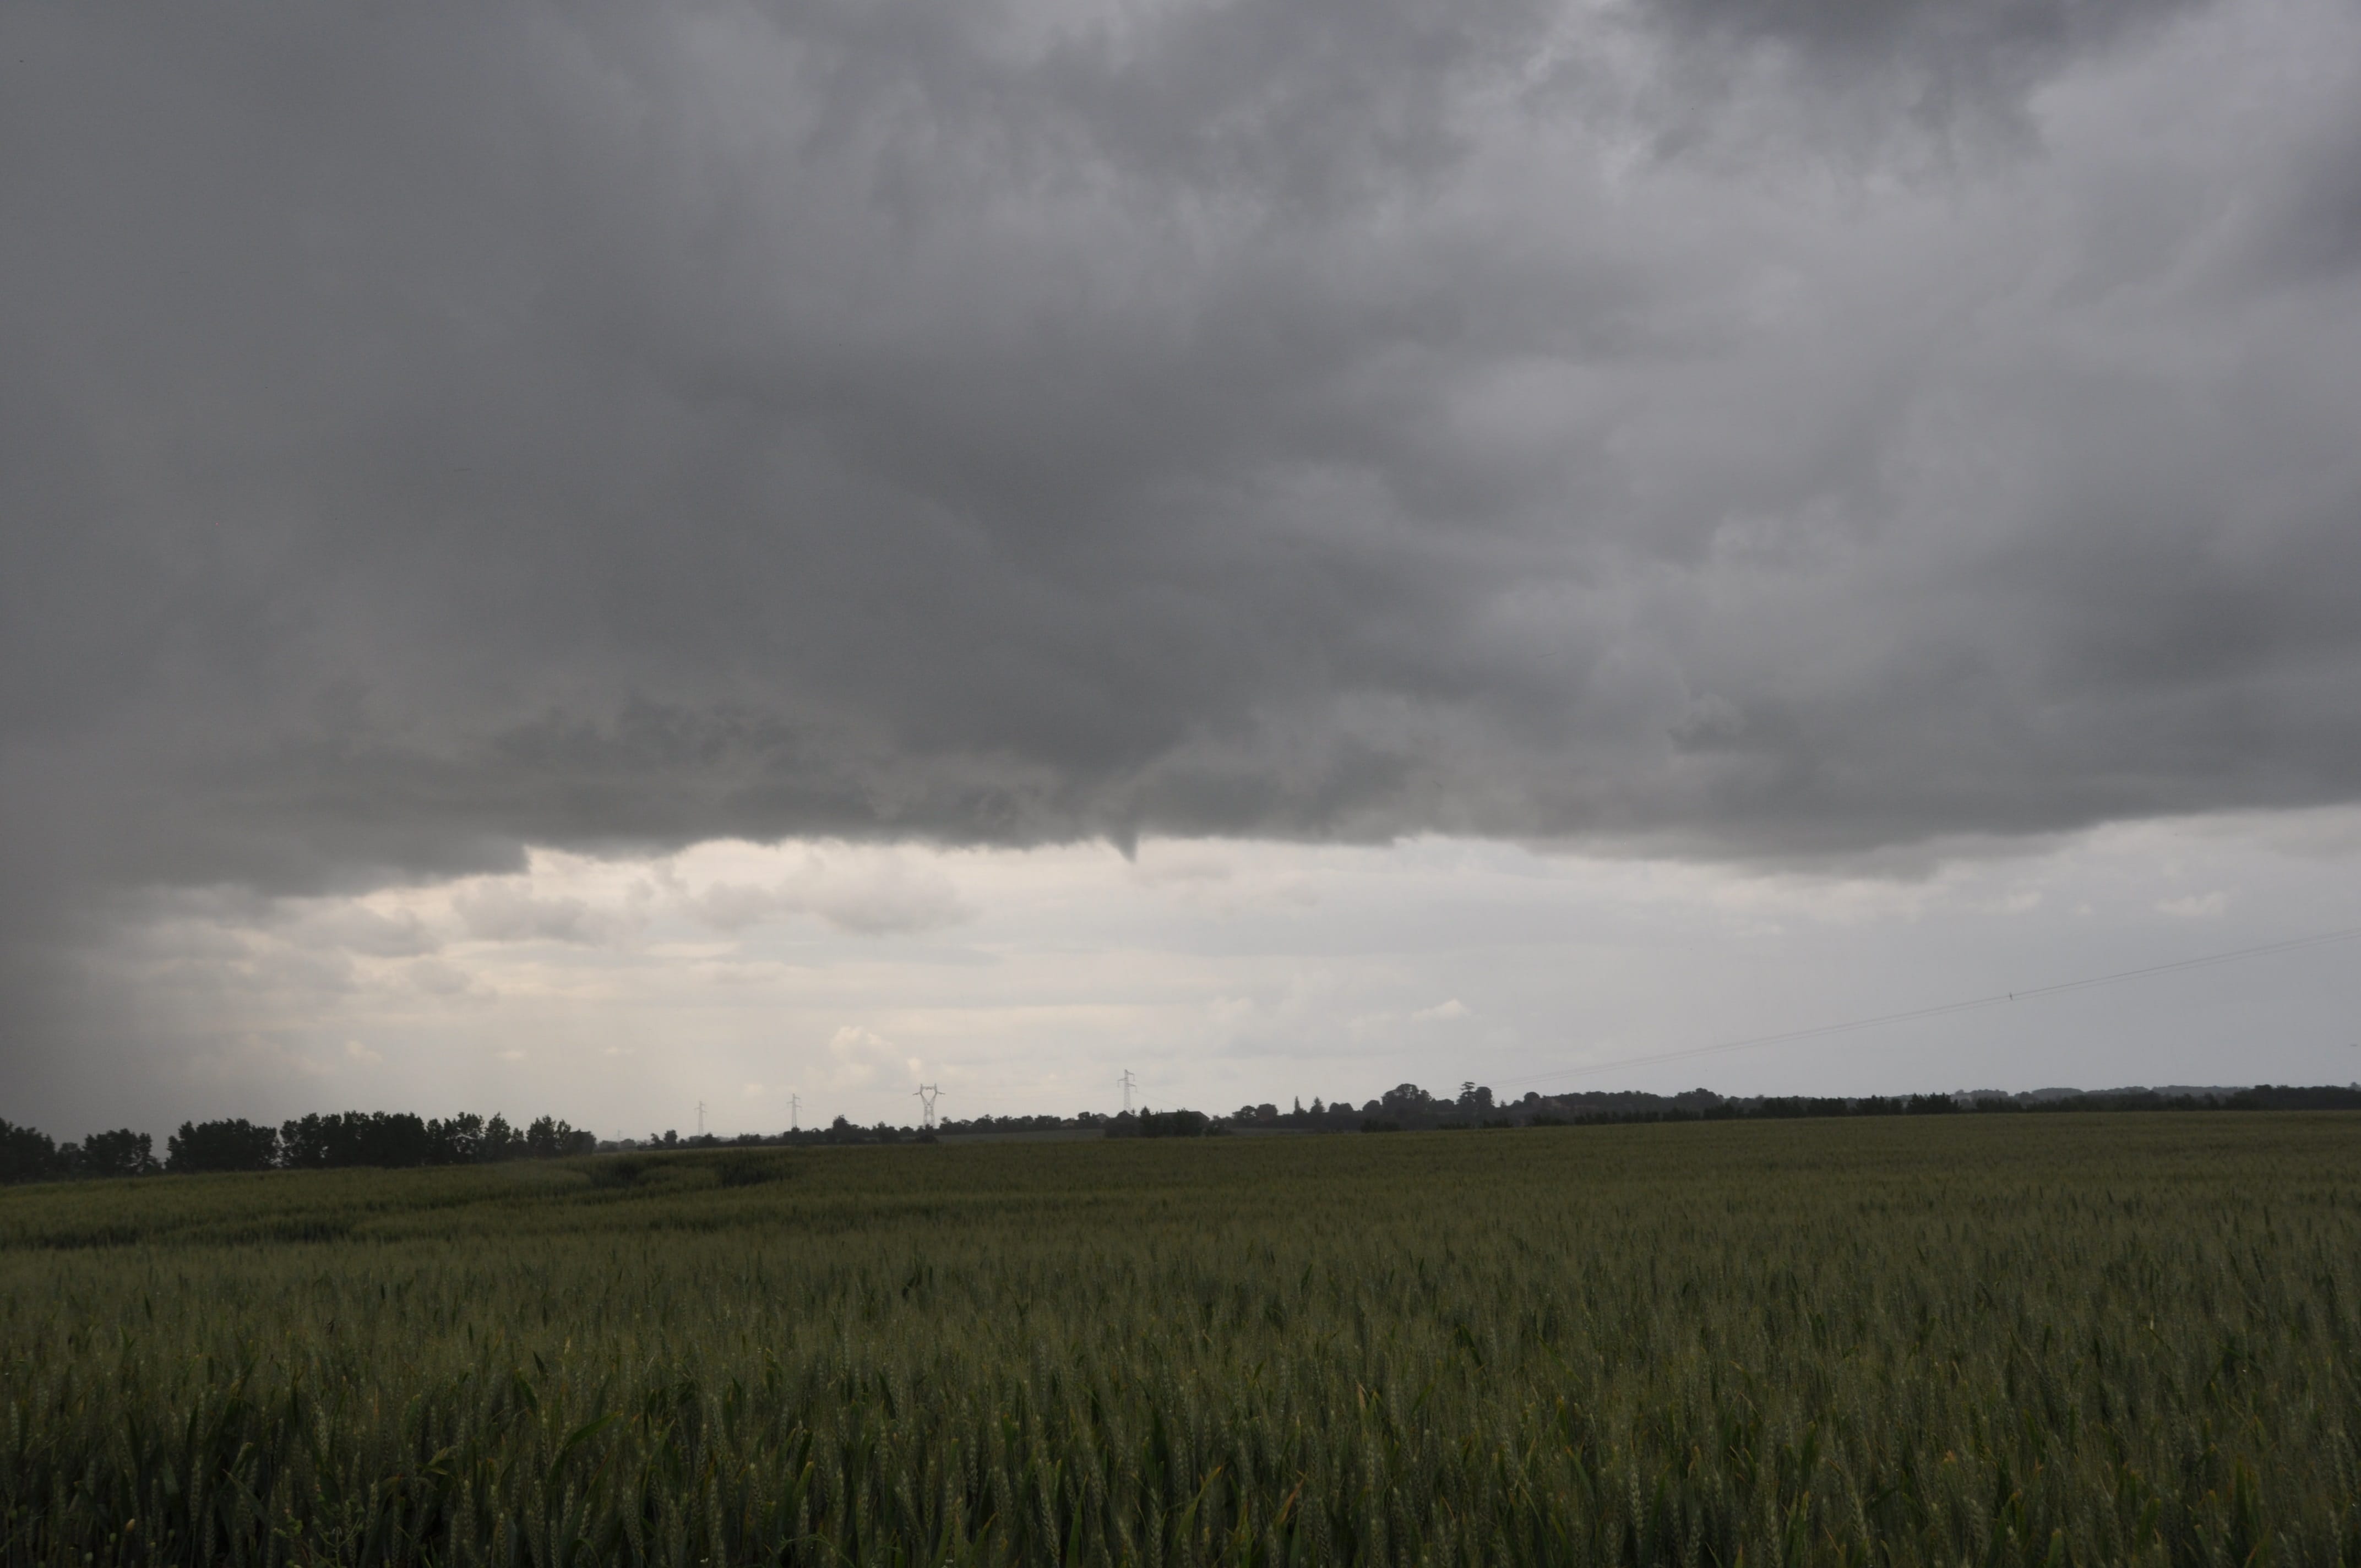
<point x="1984" y="1340"/>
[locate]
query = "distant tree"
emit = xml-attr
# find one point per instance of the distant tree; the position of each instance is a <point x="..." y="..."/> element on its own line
<point x="26" y="1155"/>
<point x="549" y="1139"/>
<point x="317" y="1141"/>
<point x="119" y="1153"/>
<point x="1474" y="1097"/>
<point x="303" y="1142"/>
<point x="502" y="1141"/>
<point x="237" y="1144"/>
<point x="393" y="1138"/>
<point x="459" y="1141"/>
<point x="1174" y="1123"/>
<point x="341" y="1140"/>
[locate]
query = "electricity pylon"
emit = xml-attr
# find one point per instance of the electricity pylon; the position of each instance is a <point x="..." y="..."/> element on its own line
<point x="794" y="1110"/>
<point x="1129" y="1083"/>
<point x="700" y="1118"/>
<point x="925" y="1094"/>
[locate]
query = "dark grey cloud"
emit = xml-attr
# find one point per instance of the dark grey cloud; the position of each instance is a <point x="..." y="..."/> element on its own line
<point x="2309" y="230"/>
<point x="2007" y="46"/>
<point x="427" y="431"/>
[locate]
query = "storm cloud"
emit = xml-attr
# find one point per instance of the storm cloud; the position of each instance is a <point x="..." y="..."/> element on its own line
<point x="1730" y="430"/>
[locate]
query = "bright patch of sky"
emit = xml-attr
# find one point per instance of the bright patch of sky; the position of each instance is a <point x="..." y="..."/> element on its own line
<point x="618" y="993"/>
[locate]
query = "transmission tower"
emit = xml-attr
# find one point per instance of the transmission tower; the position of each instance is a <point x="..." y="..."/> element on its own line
<point x="794" y="1110"/>
<point x="1129" y="1083"/>
<point x="700" y="1118"/>
<point x="925" y="1094"/>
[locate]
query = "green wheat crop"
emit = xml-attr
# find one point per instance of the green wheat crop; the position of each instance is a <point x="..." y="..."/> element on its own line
<point x="2090" y="1340"/>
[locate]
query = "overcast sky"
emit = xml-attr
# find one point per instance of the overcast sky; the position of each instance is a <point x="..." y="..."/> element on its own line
<point x="600" y="557"/>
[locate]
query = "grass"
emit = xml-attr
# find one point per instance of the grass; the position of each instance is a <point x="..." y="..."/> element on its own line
<point x="1992" y="1340"/>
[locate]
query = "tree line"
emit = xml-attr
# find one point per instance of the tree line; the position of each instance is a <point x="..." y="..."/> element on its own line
<point x="316" y="1142"/>
<point x="394" y="1138"/>
<point x="1406" y="1107"/>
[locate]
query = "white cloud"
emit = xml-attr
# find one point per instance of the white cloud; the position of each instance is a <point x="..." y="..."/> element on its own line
<point x="1441" y="1012"/>
<point x="362" y="1054"/>
<point x="505" y="912"/>
<point x="1182" y="863"/>
<point x="439" y="978"/>
<point x="358" y="928"/>
<point x="892" y="895"/>
<point x="735" y="905"/>
<point x="2194" y="907"/>
<point x="872" y="891"/>
<point x="862" y="1057"/>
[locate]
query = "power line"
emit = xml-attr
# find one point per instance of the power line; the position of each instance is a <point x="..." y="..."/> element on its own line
<point x="1998" y="999"/>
